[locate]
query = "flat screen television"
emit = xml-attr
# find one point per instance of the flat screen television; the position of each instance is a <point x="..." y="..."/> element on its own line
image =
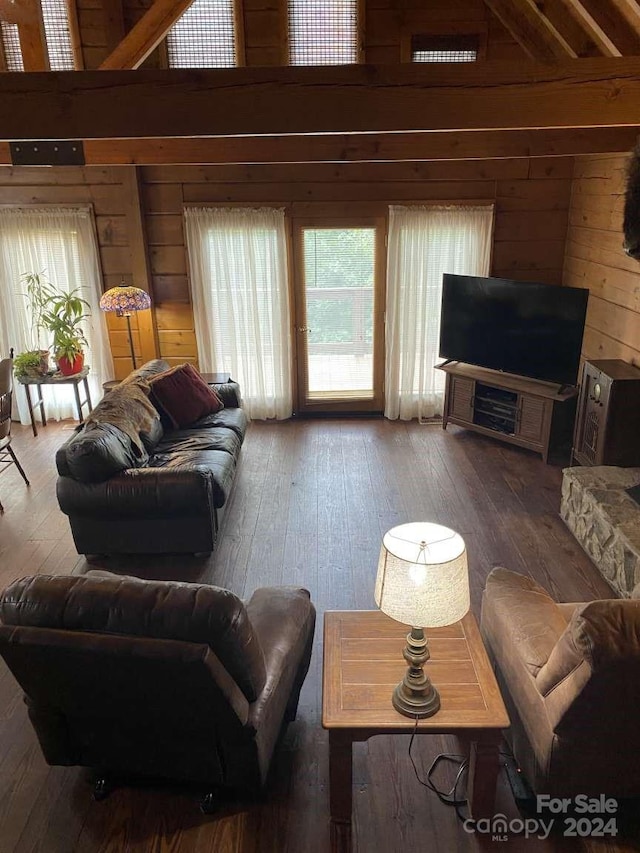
<point x="520" y="327"/>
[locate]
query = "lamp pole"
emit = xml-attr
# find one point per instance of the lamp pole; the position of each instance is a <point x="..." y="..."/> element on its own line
<point x="127" y="314"/>
<point x="121" y="313"/>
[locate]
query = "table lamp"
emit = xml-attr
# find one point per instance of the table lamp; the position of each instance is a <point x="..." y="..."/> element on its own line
<point x="423" y="582"/>
<point x="124" y="300"/>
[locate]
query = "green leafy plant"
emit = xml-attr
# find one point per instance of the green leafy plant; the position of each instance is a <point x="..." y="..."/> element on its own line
<point x="59" y="313"/>
<point x="39" y="292"/>
<point x="63" y="316"/>
<point x="28" y="364"/>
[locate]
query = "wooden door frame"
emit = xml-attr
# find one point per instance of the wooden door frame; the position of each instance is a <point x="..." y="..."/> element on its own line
<point x="379" y="223"/>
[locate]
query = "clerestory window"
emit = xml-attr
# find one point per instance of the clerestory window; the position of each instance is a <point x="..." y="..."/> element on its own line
<point x="444" y="48"/>
<point x="204" y="37"/>
<point x="323" y="32"/>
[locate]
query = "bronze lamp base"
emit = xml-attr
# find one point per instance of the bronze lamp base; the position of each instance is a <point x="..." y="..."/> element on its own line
<point x="416" y="696"/>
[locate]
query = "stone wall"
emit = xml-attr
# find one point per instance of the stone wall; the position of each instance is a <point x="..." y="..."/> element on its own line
<point x="605" y="521"/>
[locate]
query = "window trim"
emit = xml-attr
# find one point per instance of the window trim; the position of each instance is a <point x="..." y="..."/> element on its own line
<point x="3" y="58"/>
<point x="74" y="31"/>
<point x="238" y="31"/>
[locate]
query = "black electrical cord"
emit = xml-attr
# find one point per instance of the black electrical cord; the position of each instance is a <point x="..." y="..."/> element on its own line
<point x="449" y="798"/>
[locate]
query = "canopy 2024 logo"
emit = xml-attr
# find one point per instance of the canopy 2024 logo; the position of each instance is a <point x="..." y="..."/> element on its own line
<point x="580" y="816"/>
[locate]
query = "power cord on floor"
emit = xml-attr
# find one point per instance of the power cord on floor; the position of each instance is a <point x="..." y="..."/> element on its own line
<point x="449" y="798"/>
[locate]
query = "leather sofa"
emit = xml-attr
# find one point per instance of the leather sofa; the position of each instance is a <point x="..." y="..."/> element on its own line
<point x="570" y="677"/>
<point x="157" y="679"/>
<point x="158" y="490"/>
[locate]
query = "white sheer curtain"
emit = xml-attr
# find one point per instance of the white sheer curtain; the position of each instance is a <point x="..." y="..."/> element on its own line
<point x="238" y="267"/>
<point x="59" y="242"/>
<point x="424" y="243"/>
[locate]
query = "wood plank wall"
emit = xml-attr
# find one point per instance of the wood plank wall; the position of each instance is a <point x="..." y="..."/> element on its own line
<point x="106" y="189"/>
<point x="531" y="198"/>
<point x="387" y="25"/>
<point x="594" y="259"/>
<point x="95" y="28"/>
<point x="264" y="32"/>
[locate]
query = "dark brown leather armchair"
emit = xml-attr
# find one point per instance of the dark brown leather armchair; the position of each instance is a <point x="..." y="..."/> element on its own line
<point x="157" y="679"/>
<point x="570" y="677"/>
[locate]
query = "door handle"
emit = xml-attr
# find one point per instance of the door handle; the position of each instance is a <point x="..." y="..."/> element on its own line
<point x="304" y="329"/>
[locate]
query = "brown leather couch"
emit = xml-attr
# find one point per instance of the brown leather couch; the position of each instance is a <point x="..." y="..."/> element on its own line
<point x="157" y="679"/>
<point x="570" y="677"/>
<point x="164" y="492"/>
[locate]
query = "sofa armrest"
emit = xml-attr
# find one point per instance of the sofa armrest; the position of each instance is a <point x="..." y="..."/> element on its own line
<point x="142" y="492"/>
<point x="283" y="620"/>
<point x="520" y="617"/>
<point x="229" y="393"/>
<point x="62" y="464"/>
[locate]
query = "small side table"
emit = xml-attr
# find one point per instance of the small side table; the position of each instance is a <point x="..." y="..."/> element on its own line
<point x="56" y="379"/>
<point x="216" y="378"/>
<point x="363" y="663"/>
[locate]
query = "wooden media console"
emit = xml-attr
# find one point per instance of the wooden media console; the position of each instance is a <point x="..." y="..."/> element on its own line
<point x="532" y="414"/>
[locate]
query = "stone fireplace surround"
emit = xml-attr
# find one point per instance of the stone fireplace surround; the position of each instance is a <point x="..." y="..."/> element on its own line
<point x="605" y="521"/>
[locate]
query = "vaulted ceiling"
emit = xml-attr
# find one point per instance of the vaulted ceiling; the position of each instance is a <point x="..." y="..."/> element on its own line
<point x="570" y="85"/>
<point x="551" y="30"/>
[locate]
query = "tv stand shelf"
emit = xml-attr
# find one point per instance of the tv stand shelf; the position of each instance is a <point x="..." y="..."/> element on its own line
<point x="532" y="414"/>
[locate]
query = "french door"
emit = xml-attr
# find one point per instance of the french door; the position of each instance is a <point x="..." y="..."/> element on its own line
<point x="339" y="314"/>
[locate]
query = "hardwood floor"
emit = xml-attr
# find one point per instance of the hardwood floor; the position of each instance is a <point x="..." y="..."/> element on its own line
<point x="311" y="503"/>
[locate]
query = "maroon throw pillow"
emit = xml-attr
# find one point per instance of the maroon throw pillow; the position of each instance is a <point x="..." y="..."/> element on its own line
<point x="183" y="395"/>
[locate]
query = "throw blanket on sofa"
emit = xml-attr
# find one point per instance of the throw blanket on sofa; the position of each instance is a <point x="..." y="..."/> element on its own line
<point x="128" y="408"/>
<point x="171" y="502"/>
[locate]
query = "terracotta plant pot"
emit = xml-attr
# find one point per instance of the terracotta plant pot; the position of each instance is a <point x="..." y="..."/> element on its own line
<point x="70" y="368"/>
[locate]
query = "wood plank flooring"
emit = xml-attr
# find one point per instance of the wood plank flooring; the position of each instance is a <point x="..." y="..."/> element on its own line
<point x="311" y="502"/>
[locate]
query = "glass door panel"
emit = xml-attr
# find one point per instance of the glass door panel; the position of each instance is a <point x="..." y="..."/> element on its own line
<point x="337" y="329"/>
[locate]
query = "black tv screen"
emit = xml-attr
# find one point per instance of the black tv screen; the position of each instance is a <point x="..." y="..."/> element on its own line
<point x="520" y="327"/>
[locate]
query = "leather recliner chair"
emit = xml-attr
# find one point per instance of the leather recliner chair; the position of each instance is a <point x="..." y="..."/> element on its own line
<point x="570" y="677"/>
<point x="157" y="679"/>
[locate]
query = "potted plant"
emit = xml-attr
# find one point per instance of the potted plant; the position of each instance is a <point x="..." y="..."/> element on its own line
<point x="39" y="291"/>
<point x="28" y="364"/>
<point x="63" y="316"/>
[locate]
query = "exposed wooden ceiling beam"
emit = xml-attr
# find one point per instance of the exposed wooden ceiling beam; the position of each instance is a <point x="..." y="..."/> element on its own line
<point x="568" y="27"/>
<point x="331" y="99"/>
<point x="609" y="18"/>
<point x="592" y="27"/>
<point x="393" y="147"/>
<point x="351" y="148"/>
<point x="533" y="32"/>
<point x="33" y="43"/>
<point x="74" y="32"/>
<point x="27" y="14"/>
<point x="13" y="12"/>
<point x="630" y="9"/>
<point x="146" y="35"/>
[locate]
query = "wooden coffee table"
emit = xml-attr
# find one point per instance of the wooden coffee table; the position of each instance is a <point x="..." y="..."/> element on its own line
<point x="362" y="664"/>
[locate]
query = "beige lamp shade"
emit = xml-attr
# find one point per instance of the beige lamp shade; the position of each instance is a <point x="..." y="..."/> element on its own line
<point x="422" y="578"/>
